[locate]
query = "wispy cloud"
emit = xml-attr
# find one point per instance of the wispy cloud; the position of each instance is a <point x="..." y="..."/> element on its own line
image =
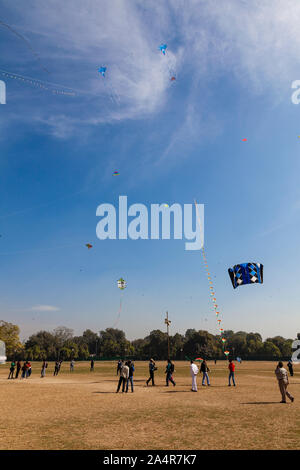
<point x="258" y="44"/>
<point x="42" y="308"/>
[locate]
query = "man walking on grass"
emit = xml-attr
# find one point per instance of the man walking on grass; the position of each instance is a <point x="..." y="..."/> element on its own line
<point x="283" y="382"/>
<point x="205" y="369"/>
<point x="194" y="371"/>
<point x="169" y="372"/>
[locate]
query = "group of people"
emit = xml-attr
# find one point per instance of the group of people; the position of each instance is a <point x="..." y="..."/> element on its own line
<point x="126" y="370"/>
<point x="26" y="370"/>
<point x="205" y="369"/>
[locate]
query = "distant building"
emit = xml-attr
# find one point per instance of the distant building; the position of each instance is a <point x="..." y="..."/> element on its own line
<point x="2" y="352"/>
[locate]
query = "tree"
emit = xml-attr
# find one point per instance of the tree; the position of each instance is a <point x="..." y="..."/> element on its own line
<point x="9" y="333"/>
<point x="61" y="335"/>
<point x="91" y="339"/>
<point x="269" y="350"/>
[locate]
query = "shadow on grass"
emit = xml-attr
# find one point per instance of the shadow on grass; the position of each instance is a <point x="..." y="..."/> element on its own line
<point x="262" y="403"/>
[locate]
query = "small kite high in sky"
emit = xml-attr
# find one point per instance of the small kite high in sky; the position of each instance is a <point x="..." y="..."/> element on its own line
<point x="88" y="245"/>
<point x="163" y="48"/>
<point x="246" y="273"/>
<point x="121" y="283"/>
<point x="115" y="173"/>
<point x="244" y="140"/>
<point x="102" y="70"/>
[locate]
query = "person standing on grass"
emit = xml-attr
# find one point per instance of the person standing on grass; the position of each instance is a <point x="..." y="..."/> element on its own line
<point x="56" y="368"/>
<point x="231" y="368"/>
<point x="169" y="372"/>
<point x="92" y="365"/>
<point x="283" y="381"/>
<point x="124" y="374"/>
<point x="130" y="377"/>
<point x="72" y="363"/>
<point x="44" y="367"/>
<point x="152" y="368"/>
<point x="290" y="366"/>
<point x="11" y="370"/>
<point x="28" y="369"/>
<point x="119" y="366"/>
<point x="18" y="369"/>
<point x="204" y="369"/>
<point x="194" y="371"/>
<point x="24" y="369"/>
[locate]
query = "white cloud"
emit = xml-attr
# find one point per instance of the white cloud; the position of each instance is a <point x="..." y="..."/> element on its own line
<point x="258" y="43"/>
<point x="42" y="308"/>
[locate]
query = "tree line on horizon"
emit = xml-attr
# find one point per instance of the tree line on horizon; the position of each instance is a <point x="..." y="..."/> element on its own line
<point x="112" y="343"/>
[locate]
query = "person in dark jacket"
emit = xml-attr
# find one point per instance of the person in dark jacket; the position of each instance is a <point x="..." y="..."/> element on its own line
<point x="92" y="365"/>
<point x="152" y="368"/>
<point x="18" y="369"/>
<point x="205" y="369"/>
<point x="169" y="372"/>
<point x="119" y="366"/>
<point x="291" y="370"/>
<point x="130" y="377"/>
<point x="56" y="368"/>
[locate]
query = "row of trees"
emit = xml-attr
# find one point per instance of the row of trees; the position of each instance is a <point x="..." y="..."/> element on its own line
<point x="111" y="343"/>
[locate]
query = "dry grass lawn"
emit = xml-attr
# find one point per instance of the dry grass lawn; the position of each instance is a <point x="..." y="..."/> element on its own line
<point x="81" y="410"/>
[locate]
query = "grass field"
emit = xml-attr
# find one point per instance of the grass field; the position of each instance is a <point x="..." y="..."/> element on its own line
<point x="81" y="410"/>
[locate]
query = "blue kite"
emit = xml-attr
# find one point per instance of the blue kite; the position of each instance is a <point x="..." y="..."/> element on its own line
<point x="246" y="273"/>
<point x="102" y="70"/>
<point x="163" y="48"/>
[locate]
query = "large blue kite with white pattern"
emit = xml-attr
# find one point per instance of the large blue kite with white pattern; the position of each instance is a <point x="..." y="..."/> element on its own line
<point x="246" y="273"/>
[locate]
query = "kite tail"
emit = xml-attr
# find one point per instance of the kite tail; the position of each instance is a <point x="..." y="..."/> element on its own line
<point x="211" y="287"/>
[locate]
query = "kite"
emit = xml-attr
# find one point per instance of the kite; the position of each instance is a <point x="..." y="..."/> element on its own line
<point x="223" y="340"/>
<point x="115" y="173"/>
<point x="88" y="245"/>
<point x="166" y="205"/>
<point x="40" y="84"/>
<point x="246" y="273"/>
<point x="226" y="353"/>
<point x="172" y="79"/>
<point x="163" y="48"/>
<point x="198" y="359"/>
<point x="122" y="286"/>
<point x="112" y="92"/>
<point x="121" y="283"/>
<point x="244" y="140"/>
<point x="102" y="70"/>
<point x="212" y="293"/>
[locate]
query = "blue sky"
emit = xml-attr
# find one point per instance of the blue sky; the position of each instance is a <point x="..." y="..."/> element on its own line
<point x="171" y="142"/>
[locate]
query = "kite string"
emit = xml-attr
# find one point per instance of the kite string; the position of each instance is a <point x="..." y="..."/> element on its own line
<point x="119" y="312"/>
<point x="26" y="42"/>
<point x="212" y="293"/>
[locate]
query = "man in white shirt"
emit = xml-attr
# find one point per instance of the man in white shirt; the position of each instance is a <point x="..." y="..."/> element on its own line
<point x="283" y="381"/>
<point x="194" y="371"/>
<point x="124" y="374"/>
